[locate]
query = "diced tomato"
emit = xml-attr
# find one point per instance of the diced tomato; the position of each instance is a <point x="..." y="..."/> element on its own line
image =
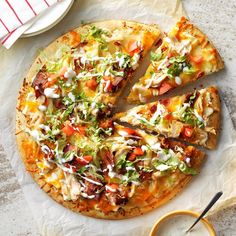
<point x="84" y="160"/>
<point x="187" y="132"/>
<point x="138" y="151"/>
<point x="68" y="130"/>
<point x="133" y="47"/>
<point x="196" y="59"/>
<point x="169" y="116"/>
<point x="132" y="157"/>
<point x="129" y="131"/>
<point x="165" y="87"/>
<point x="153" y="108"/>
<point x="92" y="84"/>
<point x="112" y="188"/>
<point x="81" y="129"/>
<point x="107" y="84"/>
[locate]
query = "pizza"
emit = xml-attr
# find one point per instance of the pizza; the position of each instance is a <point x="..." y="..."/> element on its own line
<point x="193" y="117"/>
<point x="69" y="141"/>
<point x="185" y="55"/>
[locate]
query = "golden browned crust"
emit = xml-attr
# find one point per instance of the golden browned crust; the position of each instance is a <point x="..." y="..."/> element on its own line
<point x="185" y="25"/>
<point x="214" y="119"/>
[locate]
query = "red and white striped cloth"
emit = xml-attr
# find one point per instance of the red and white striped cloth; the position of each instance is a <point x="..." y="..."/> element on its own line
<point x="16" y="16"/>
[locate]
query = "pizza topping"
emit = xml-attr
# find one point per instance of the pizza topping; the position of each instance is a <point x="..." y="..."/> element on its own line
<point x="92" y="84"/>
<point x="112" y="188"/>
<point x="134" y="47"/>
<point x="68" y="130"/>
<point x="50" y="92"/>
<point x="187" y="132"/>
<point x="178" y="80"/>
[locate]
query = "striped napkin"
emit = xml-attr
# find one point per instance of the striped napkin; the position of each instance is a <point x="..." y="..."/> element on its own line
<point x="16" y="16"/>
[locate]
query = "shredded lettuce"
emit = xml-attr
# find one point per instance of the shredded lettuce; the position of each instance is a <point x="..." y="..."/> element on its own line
<point x="155" y="56"/>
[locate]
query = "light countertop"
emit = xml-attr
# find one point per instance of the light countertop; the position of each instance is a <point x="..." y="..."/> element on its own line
<point x="215" y="17"/>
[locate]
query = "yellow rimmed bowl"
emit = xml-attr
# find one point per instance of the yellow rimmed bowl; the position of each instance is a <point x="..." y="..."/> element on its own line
<point x="205" y="222"/>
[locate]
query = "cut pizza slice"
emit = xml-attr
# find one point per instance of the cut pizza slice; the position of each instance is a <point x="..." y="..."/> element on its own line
<point x="193" y="117"/>
<point x="185" y="55"/>
<point x="131" y="173"/>
<point x="91" y="65"/>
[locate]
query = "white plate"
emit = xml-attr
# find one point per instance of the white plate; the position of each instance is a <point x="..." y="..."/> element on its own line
<point x="49" y="18"/>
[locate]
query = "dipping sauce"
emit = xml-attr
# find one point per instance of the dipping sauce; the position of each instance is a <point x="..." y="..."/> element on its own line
<point x="178" y="224"/>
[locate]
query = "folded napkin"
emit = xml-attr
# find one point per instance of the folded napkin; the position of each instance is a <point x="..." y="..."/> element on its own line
<point x="16" y="16"/>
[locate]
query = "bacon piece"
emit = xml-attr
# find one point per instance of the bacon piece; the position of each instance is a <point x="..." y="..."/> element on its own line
<point x="91" y="188"/>
<point x="40" y="81"/>
<point x="107" y="160"/>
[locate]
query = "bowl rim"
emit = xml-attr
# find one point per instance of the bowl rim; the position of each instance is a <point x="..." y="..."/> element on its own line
<point x="207" y="224"/>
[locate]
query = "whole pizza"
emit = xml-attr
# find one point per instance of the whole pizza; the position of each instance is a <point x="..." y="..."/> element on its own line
<point x="66" y="127"/>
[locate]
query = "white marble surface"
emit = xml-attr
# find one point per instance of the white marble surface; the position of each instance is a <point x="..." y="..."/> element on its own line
<point x="215" y="17"/>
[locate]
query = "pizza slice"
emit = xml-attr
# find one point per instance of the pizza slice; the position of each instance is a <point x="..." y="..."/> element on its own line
<point x="91" y="65"/>
<point x="130" y="173"/>
<point x="185" y="55"/>
<point x="193" y="117"/>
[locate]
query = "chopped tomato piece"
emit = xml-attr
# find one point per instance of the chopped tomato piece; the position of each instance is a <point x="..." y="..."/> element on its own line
<point x="81" y="130"/>
<point x="68" y="130"/>
<point x="112" y="188"/>
<point x="107" y="84"/>
<point x="188" y="131"/>
<point x="133" y="47"/>
<point x="84" y="160"/>
<point x="153" y="108"/>
<point x="196" y="59"/>
<point x="169" y="116"/>
<point x="138" y="151"/>
<point x="92" y="84"/>
<point x="165" y="87"/>
<point x="132" y="157"/>
<point x="129" y="131"/>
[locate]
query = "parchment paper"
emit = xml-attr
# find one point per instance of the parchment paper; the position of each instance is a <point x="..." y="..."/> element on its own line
<point x="217" y="174"/>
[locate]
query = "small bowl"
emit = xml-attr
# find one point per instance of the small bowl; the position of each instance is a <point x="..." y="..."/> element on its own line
<point x="205" y="222"/>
